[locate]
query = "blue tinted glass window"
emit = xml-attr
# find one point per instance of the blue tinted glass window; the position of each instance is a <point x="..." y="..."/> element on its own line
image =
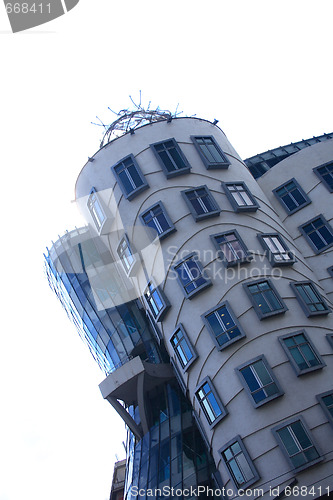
<point x="319" y="232"/>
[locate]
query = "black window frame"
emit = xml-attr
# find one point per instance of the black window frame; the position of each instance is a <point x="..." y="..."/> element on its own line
<point x="271" y="256"/>
<point x="224" y="411"/>
<point x="244" y="452"/>
<point x="283" y="448"/>
<point x="272" y="288"/>
<point x="178" y="171"/>
<point x="317" y="171"/>
<point x="297" y="187"/>
<point x="163" y="234"/>
<point x="224" y="331"/>
<point x="279" y="392"/>
<point x="129" y="195"/>
<point x="299" y="371"/>
<point x="181" y="263"/>
<point x="247" y="254"/>
<point x="296" y="285"/>
<point x="153" y="289"/>
<point x="325" y="408"/>
<point x="253" y="207"/>
<point x="206" y="215"/>
<point x="184" y="366"/>
<point x="210" y="165"/>
<point x="324" y="223"/>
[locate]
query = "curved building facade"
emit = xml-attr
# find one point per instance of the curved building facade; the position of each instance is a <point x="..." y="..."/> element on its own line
<point x="230" y="296"/>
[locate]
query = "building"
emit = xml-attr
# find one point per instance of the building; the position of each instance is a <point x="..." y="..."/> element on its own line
<point x="118" y="481"/>
<point x="205" y="294"/>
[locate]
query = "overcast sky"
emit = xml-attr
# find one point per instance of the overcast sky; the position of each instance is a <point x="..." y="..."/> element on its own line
<point x="262" y="68"/>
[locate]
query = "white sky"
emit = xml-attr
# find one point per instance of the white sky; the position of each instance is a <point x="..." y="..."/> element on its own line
<point x="263" y="68"/>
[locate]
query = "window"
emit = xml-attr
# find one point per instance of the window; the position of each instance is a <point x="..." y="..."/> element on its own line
<point x="277" y="251"/>
<point x="232" y="249"/>
<point x="319" y="233"/>
<point x="127" y="256"/>
<point x="238" y="463"/>
<point x="259" y="381"/>
<point x="222" y="326"/>
<point x="183" y="348"/>
<point x="201" y="203"/>
<point x="210" y="152"/>
<point x="157" y="301"/>
<point x="240" y="197"/>
<point x="130" y="178"/>
<point x="171" y="158"/>
<point x="291" y="196"/>
<point x="330" y="271"/>
<point x="97" y="212"/>
<point x="190" y="275"/>
<point x="325" y="174"/>
<point x="326" y="402"/>
<point x="210" y="402"/>
<point x="265" y="298"/>
<point x="310" y="299"/>
<point x="296" y="444"/>
<point x="301" y="352"/>
<point x="157" y="219"/>
<point x="329" y="337"/>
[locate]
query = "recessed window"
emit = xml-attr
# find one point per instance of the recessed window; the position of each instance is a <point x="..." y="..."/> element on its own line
<point x="312" y="303"/>
<point x="171" y="158"/>
<point x="329" y="337"/>
<point x="223" y="325"/>
<point x="291" y="196"/>
<point x="130" y="178"/>
<point x="183" y="348"/>
<point x="238" y="463"/>
<point x="232" y="249"/>
<point x="326" y="402"/>
<point x="97" y="212"/>
<point x="210" y="402"/>
<point x="127" y="256"/>
<point x="301" y="352"/>
<point x="259" y="381"/>
<point x="240" y="197"/>
<point x="157" y="219"/>
<point x="191" y="276"/>
<point x="297" y="444"/>
<point x="201" y="203"/>
<point x="318" y="233"/>
<point x="157" y="301"/>
<point x="265" y="298"/>
<point x="325" y="174"/>
<point x="210" y="152"/>
<point x="277" y="251"/>
<point x="330" y="271"/>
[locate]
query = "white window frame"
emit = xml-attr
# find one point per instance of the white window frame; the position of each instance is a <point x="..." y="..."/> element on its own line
<point x="276" y="249"/>
<point x="240" y="197"/>
<point x="205" y="405"/>
<point x="177" y="346"/>
<point x="127" y="255"/>
<point x="157" y="312"/>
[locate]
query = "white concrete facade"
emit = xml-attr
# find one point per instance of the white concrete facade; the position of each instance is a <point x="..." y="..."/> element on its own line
<point x="156" y="260"/>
